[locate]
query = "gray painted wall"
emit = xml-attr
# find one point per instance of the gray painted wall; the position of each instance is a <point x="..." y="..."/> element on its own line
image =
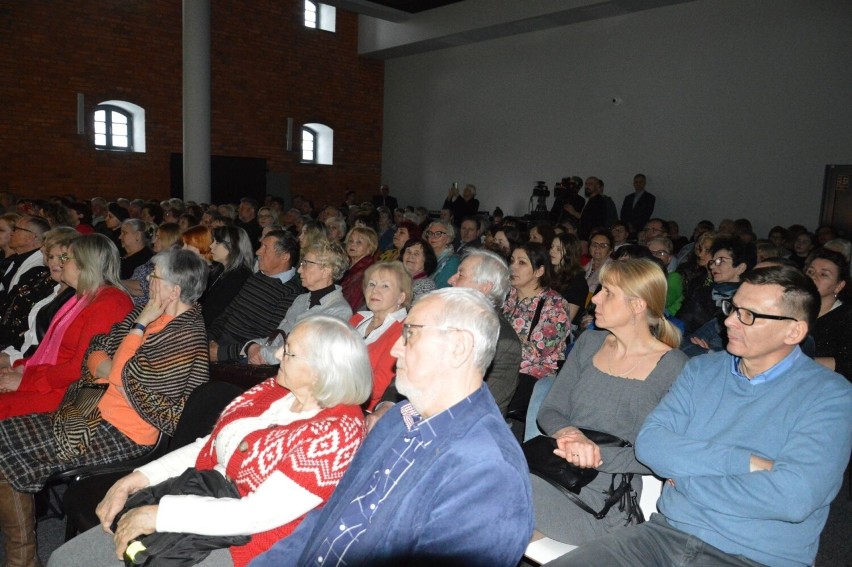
<point x="731" y="107"/>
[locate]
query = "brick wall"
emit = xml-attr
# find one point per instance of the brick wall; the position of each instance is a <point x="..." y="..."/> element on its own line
<point x="266" y="66"/>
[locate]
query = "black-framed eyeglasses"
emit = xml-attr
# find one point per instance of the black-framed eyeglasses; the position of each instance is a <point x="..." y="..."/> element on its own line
<point x="719" y="261"/>
<point x="434" y="233"/>
<point x="747" y="316"/>
<point x="303" y="263"/>
<point x="64" y="257"/>
<point x="408" y="327"/>
<point x="660" y="253"/>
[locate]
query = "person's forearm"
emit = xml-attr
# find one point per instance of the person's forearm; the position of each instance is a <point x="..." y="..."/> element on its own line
<point x="174" y="462"/>
<point x="277" y="501"/>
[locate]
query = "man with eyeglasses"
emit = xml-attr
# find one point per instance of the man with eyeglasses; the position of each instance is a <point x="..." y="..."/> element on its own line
<point x="439" y="480"/>
<point x="753" y="442"/>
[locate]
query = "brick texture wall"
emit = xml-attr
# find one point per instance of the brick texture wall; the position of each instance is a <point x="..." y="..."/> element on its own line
<point x="266" y="67"/>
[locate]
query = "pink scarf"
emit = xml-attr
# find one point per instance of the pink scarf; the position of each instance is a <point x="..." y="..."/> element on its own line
<point x="48" y="348"/>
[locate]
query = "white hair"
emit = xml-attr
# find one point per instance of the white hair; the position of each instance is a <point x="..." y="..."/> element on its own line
<point x="469" y="310"/>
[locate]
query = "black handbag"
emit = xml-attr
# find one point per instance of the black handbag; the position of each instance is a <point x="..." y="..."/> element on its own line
<point x="169" y="549"/>
<point x="569" y="479"/>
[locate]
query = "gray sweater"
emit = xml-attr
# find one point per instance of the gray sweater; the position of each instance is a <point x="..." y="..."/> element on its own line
<point x="586" y="397"/>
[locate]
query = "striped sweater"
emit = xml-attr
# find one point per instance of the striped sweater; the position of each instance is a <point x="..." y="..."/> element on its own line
<point x="255" y="312"/>
<point x="165" y="369"/>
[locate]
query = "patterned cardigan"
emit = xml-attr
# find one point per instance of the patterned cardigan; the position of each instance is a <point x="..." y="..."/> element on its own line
<point x="313" y="452"/>
<point x="168" y="366"/>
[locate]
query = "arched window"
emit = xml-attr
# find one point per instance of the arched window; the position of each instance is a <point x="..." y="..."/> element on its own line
<point x="320" y="16"/>
<point x="119" y="126"/>
<point x="317" y="144"/>
<point x="113" y="129"/>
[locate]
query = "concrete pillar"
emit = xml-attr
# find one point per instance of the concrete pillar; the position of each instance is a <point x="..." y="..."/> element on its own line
<point x="196" y="100"/>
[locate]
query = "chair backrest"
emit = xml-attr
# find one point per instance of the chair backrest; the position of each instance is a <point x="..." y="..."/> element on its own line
<point x="201" y="411"/>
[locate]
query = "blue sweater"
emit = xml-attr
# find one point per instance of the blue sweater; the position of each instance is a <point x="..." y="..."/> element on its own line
<point x="702" y="436"/>
<point x="467" y="502"/>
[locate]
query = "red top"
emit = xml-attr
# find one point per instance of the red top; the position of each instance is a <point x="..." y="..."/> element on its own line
<point x="313" y="452"/>
<point x="381" y="359"/>
<point x="43" y="385"/>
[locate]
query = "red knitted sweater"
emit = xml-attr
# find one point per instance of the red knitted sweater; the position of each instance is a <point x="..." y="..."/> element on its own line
<point x="313" y="452"/>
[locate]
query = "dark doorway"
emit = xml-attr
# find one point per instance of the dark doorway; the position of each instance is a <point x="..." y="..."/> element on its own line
<point x="231" y="178"/>
<point x="836" y="207"/>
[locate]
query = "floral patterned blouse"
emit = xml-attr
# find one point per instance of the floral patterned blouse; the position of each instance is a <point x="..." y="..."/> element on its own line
<point x="545" y="347"/>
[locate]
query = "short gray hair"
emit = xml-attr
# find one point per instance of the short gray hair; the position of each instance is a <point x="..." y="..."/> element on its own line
<point x="448" y="227"/>
<point x="339" y="223"/>
<point x="330" y="254"/>
<point x="469" y="310"/>
<point x="663" y="241"/>
<point x="338" y="355"/>
<point x="184" y="269"/>
<point x="491" y="269"/>
<point x="140" y="226"/>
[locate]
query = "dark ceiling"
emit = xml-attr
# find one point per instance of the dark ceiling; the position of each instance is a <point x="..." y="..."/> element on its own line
<point x="414" y="6"/>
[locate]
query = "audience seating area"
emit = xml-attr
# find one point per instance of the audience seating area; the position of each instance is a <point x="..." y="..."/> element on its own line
<point x="691" y="263"/>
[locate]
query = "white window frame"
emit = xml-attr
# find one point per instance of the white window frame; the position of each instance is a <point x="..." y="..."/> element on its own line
<point x="323" y="143"/>
<point x="326" y="16"/>
<point x="137" y="126"/>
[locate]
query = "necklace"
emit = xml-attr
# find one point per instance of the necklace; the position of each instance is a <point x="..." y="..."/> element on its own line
<point x="623" y="374"/>
<point x="626" y="372"/>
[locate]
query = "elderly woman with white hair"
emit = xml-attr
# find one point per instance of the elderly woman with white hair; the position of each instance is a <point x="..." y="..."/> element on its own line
<point x="149" y="363"/>
<point x="440" y="237"/>
<point x="322" y="264"/>
<point x="279" y="474"/>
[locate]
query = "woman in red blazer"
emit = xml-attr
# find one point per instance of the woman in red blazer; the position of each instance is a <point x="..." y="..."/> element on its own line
<point x="37" y="384"/>
<point x="387" y="290"/>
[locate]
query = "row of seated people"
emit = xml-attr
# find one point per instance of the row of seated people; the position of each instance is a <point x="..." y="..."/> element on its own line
<point x="525" y="277"/>
<point x="436" y="513"/>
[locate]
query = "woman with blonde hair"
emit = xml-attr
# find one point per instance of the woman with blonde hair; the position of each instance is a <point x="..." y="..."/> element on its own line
<point x="610" y="382"/>
<point x="38" y="383"/>
<point x="55" y="243"/>
<point x="387" y="289"/>
<point x="311" y="233"/>
<point x="360" y="245"/>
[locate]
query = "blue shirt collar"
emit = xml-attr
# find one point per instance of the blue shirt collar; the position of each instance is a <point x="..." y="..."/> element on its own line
<point x="771" y="374"/>
<point x="284" y="277"/>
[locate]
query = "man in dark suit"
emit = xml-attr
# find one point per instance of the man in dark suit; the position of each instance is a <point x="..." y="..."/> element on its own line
<point x="637" y="207"/>
<point x="383" y="199"/>
<point x="597" y="210"/>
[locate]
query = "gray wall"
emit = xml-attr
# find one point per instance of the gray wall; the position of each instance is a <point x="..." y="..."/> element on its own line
<point x="731" y="107"/>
